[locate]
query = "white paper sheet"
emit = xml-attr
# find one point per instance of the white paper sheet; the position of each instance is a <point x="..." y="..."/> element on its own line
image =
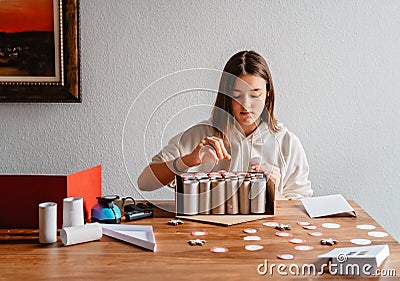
<point x="327" y="205"/>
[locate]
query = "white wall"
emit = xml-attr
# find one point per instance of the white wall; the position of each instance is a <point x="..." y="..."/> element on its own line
<point x="335" y="65"/>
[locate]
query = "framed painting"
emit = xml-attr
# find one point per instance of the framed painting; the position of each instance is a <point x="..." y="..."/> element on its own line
<point x="39" y="51"/>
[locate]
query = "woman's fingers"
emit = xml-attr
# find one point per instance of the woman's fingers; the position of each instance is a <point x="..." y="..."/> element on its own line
<point x="210" y="149"/>
<point x="219" y="147"/>
<point x="224" y="151"/>
<point x="272" y="172"/>
<point x="215" y="144"/>
<point x="274" y="177"/>
<point x="255" y="167"/>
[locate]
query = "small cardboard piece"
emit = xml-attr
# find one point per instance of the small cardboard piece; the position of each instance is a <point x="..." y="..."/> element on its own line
<point x="356" y="260"/>
<point x="139" y="235"/>
<point x="328" y="205"/>
<point x="22" y="194"/>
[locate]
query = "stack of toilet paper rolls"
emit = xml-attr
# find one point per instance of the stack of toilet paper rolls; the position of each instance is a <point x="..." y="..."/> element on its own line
<point x="73" y="231"/>
<point x="221" y="193"/>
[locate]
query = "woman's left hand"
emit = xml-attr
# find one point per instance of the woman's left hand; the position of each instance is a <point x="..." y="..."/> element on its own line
<point x="272" y="172"/>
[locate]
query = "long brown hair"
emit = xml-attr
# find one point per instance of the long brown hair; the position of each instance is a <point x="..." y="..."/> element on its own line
<point x="244" y="62"/>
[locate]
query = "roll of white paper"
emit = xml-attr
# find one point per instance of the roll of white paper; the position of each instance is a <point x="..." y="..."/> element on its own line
<point x="190" y="197"/>
<point x="204" y="196"/>
<point x="244" y="196"/>
<point x="72" y="211"/>
<point x="218" y="196"/>
<point x="47" y="222"/>
<point x="258" y="195"/>
<point x="81" y="234"/>
<point x="232" y="203"/>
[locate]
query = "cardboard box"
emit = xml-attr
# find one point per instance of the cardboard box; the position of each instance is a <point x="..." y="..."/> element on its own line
<point x="21" y="195"/>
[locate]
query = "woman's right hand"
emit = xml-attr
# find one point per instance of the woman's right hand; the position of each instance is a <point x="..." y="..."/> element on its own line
<point x="210" y="149"/>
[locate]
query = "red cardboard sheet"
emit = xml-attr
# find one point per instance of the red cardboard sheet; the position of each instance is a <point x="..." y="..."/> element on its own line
<point x="21" y="195"/>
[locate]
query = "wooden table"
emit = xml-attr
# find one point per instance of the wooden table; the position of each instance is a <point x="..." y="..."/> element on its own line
<point x="23" y="258"/>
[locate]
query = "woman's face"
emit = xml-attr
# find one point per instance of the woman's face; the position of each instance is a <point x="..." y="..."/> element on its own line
<point x="249" y="94"/>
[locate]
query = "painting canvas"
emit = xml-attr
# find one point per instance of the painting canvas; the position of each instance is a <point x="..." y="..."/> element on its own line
<point x="29" y="45"/>
<point x="39" y="58"/>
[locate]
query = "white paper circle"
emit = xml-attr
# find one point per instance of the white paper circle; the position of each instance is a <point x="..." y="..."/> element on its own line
<point x="365" y="226"/>
<point x="315" y="233"/>
<point x="283" y="234"/>
<point x="377" y="234"/>
<point x="199" y="233"/>
<point x="270" y="223"/>
<point x="297" y="241"/>
<point x="253" y="247"/>
<point x="251" y="238"/>
<point x="360" y="241"/>
<point x="285" y="256"/>
<point x="249" y="230"/>
<point x="303" y="248"/>
<point x="310" y="227"/>
<point x="330" y="225"/>
<point x="219" y="250"/>
<point x="304" y="223"/>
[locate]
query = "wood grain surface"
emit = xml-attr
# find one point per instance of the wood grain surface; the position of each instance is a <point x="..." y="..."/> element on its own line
<point x="23" y="258"/>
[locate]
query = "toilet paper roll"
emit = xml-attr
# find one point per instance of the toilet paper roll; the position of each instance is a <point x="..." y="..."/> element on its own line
<point x="73" y="211"/>
<point x="244" y="197"/>
<point x="190" y="197"/>
<point x="258" y="195"/>
<point x="47" y="222"/>
<point x="81" y="234"/>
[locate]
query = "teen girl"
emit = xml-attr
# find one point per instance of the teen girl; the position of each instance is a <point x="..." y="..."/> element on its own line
<point x="242" y="134"/>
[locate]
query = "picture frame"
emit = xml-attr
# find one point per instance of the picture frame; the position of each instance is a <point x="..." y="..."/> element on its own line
<point x="63" y="85"/>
